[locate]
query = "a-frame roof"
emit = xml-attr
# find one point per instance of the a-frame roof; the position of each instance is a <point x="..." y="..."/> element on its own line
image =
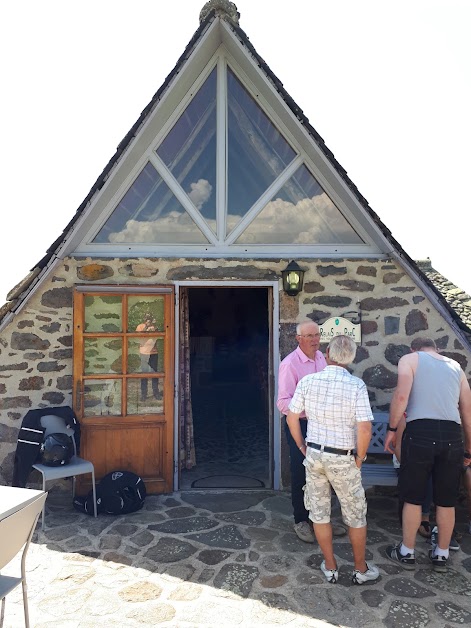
<point x="219" y="27"/>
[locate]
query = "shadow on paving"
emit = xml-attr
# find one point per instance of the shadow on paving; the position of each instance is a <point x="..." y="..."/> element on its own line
<point x="228" y="549"/>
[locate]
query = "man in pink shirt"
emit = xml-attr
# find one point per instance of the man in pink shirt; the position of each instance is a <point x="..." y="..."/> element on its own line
<point x="304" y="360"/>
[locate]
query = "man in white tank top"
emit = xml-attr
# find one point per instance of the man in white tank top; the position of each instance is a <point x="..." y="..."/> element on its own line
<point x="435" y="393"/>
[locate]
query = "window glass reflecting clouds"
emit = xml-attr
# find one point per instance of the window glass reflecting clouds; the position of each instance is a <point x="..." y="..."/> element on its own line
<point x="257" y="152"/>
<point x="149" y="213"/>
<point x="300" y="213"/>
<point x="189" y="150"/>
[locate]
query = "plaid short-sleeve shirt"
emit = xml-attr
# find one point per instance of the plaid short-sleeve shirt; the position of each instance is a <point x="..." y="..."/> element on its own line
<point x="334" y="401"/>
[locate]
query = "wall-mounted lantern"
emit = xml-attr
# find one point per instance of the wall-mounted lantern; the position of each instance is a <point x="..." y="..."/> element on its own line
<point x="293" y="277"/>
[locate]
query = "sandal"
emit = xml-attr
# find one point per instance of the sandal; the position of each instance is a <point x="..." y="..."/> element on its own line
<point x="424" y="529"/>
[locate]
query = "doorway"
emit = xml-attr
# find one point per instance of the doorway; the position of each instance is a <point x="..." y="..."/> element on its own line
<point x="230" y="377"/>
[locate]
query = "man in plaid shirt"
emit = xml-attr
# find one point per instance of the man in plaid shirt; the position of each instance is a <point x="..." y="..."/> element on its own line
<point x="338" y="414"/>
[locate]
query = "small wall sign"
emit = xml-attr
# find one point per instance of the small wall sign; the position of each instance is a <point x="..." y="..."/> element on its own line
<point x="339" y="326"/>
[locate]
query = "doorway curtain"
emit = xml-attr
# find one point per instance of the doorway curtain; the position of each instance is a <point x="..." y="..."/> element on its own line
<point x="187" y="442"/>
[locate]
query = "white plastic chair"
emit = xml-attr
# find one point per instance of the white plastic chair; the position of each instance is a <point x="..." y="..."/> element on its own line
<point x="16" y="531"/>
<point x="77" y="466"/>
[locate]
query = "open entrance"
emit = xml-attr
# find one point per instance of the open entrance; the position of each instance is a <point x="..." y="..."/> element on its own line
<point x="229" y="374"/>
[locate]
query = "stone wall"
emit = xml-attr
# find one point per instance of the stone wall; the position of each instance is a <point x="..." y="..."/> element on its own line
<point x="36" y="348"/>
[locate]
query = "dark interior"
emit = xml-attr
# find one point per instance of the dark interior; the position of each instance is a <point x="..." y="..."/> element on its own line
<point x="229" y="341"/>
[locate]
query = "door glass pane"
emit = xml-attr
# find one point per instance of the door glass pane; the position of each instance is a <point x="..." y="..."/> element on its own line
<point x="189" y="150"/>
<point x="149" y="213"/>
<point x="101" y="397"/>
<point x="146" y="355"/>
<point x="257" y="152"/>
<point x="103" y="313"/>
<point x="300" y="213"/>
<point x="145" y="395"/>
<point x="146" y="314"/>
<point x="103" y="355"/>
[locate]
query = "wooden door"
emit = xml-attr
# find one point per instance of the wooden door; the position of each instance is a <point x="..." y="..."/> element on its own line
<point x="124" y="381"/>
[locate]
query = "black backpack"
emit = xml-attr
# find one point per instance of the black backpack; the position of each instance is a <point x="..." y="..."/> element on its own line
<point x="117" y="493"/>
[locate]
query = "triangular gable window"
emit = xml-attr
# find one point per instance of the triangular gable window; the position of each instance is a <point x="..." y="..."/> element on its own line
<point x="225" y="176"/>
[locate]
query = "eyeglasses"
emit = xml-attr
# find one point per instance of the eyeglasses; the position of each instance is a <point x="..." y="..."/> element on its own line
<point x="310" y="336"/>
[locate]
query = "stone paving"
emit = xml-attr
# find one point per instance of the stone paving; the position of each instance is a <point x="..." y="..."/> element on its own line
<point x="225" y="559"/>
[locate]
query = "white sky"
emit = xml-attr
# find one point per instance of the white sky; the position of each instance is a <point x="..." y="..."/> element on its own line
<point x="387" y="84"/>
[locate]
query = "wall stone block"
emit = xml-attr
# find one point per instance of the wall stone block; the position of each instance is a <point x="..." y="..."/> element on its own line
<point x="383" y="303"/>
<point x="459" y="357"/>
<point x="222" y="272"/>
<point x="57" y="298"/>
<point x="403" y="289"/>
<point x="391" y="325"/>
<point x="65" y="382"/>
<point x="23" y="324"/>
<point x="361" y="354"/>
<point x="418" y="299"/>
<point x="50" y="329"/>
<point x="394" y="353"/>
<point x="289" y="307"/>
<point x="3" y="389"/>
<point x="94" y="272"/>
<point x="333" y="302"/>
<point x="139" y="270"/>
<point x="313" y="286"/>
<point x="415" y="321"/>
<point x="318" y="316"/>
<point x="442" y="342"/>
<point x="67" y="341"/>
<point x="33" y="356"/>
<point x="27" y="341"/>
<point x="31" y="383"/>
<point x="61" y="354"/>
<point x="54" y="398"/>
<point x="8" y="434"/>
<point x="357" y="286"/>
<point x="392" y="277"/>
<point x="369" y="271"/>
<point x="14" y="416"/>
<point x="6" y="468"/>
<point x="457" y="345"/>
<point x="46" y="367"/>
<point x="379" y="377"/>
<point x="287" y="339"/>
<point x="15" y="402"/>
<point x="325" y="271"/>
<point x="22" y="366"/>
<point x="368" y="327"/>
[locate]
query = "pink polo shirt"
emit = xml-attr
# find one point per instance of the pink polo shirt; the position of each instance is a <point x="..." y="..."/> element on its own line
<point x="293" y="368"/>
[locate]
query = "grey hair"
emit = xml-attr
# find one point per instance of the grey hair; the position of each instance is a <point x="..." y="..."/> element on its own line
<point x="342" y="350"/>
<point x="306" y="322"/>
<point x="423" y="343"/>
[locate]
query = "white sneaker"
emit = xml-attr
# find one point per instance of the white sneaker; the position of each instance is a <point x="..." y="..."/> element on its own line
<point x="371" y="573"/>
<point x="331" y="575"/>
<point x="304" y="532"/>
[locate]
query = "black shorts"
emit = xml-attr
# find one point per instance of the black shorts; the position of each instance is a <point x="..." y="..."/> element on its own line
<point x="431" y="447"/>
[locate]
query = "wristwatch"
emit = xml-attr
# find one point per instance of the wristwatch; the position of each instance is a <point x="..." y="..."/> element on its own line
<point x="361" y="459"/>
<point x="391" y="429"/>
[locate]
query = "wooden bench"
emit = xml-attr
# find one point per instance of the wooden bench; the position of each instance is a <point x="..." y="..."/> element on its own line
<point x="381" y="471"/>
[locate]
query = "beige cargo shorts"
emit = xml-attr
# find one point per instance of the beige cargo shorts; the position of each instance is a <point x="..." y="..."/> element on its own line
<point x="324" y="471"/>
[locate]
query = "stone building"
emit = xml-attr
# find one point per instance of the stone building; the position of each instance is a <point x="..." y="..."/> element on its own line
<point x="159" y="314"/>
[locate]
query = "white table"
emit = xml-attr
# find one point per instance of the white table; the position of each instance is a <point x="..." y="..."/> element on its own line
<point x="13" y="499"/>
